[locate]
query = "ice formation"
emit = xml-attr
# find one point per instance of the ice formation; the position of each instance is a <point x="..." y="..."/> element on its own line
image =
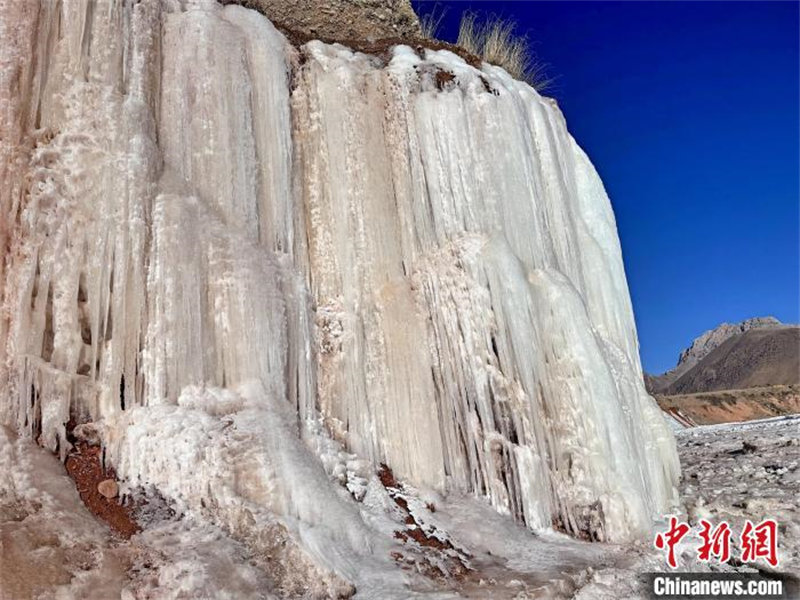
<point x="264" y="271"/>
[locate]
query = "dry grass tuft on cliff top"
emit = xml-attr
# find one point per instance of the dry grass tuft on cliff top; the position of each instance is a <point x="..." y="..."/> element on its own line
<point x="430" y="23"/>
<point x="495" y="41"/>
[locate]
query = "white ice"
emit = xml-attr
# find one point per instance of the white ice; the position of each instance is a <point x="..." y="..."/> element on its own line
<point x="264" y="271"/>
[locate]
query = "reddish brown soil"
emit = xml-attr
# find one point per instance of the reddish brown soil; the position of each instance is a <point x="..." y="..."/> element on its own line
<point x="415" y="531"/>
<point x="387" y="477"/>
<point x="85" y="467"/>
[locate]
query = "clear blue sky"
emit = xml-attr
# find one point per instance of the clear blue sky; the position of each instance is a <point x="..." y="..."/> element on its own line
<point x="689" y="111"/>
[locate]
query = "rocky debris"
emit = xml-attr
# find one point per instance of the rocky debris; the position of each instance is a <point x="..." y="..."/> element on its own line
<point x="53" y="547"/>
<point x="386" y="476"/>
<point x="344" y="19"/>
<point x="443" y="78"/>
<point x="108" y="488"/>
<point x="747" y="448"/>
<point x="721" y="486"/>
<point x="742" y="471"/>
<point x="50" y="545"/>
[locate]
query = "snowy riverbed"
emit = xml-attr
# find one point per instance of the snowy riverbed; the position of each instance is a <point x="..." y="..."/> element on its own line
<point x="741" y="471"/>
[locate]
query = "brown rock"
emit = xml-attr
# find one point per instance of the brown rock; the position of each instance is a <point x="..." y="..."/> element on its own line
<point x="367" y="20"/>
<point x="108" y="488"/>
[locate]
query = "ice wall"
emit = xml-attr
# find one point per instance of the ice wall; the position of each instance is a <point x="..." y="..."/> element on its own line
<point x="208" y="231"/>
<point x="479" y="220"/>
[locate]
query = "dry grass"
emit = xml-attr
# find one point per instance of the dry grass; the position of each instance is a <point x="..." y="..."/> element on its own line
<point x="495" y="41"/>
<point x="430" y="23"/>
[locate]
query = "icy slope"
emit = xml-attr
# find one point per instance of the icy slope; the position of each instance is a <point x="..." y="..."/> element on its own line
<point x="245" y="261"/>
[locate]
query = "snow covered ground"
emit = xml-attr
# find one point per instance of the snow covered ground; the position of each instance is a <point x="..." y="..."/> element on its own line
<point x="54" y="548"/>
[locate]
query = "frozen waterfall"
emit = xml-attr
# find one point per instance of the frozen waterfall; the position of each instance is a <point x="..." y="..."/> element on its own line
<point x="264" y="271"/>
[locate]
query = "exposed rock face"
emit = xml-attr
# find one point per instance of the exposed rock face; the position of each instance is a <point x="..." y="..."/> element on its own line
<point x="703" y="345"/>
<point x="341" y="19"/>
<point x="262" y="272"/>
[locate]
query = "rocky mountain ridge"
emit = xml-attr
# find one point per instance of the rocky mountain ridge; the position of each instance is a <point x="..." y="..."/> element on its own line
<point x="703" y="345"/>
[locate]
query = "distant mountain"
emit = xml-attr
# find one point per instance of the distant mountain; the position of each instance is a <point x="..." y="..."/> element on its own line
<point x="757" y="352"/>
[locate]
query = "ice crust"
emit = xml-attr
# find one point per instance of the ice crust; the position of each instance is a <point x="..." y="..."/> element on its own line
<point x="264" y="276"/>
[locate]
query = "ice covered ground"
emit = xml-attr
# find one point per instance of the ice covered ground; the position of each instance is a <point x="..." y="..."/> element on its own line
<point x="52" y="546"/>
